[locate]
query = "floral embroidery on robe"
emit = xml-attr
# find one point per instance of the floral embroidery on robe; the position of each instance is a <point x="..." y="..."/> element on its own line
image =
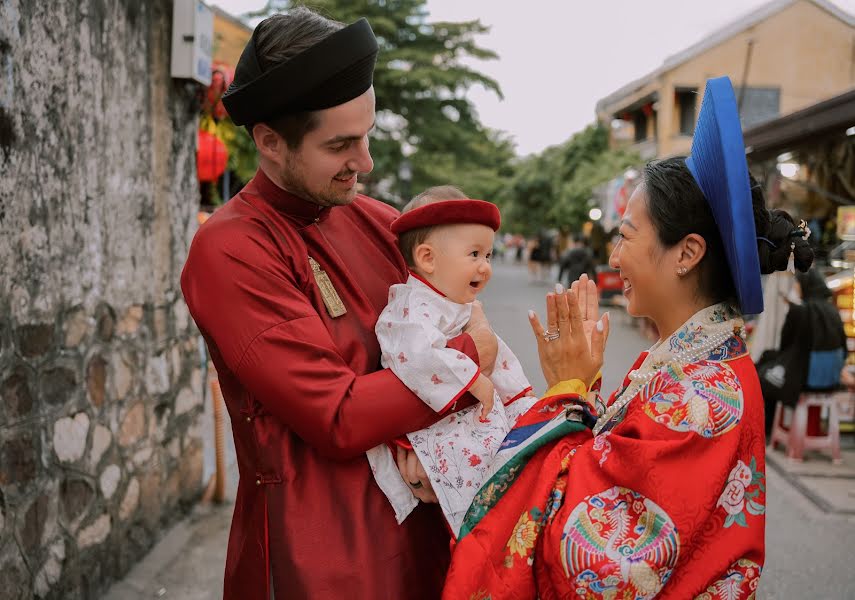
<point x="659" y="504"/>
<point x="456" y="452"/>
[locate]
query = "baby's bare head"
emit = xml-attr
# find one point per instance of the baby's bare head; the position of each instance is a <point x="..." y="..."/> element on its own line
<point x="409" y="240"/>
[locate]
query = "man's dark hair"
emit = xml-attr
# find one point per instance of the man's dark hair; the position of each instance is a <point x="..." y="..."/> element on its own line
<point x="408" y="240"/>
<point x="280" y="38"/>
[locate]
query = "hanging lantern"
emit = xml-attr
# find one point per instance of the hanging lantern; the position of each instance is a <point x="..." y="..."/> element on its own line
<point x="211" y="156"/>
<point x="213" y="97"/>
<point x="620" y="200"/>
<point x="221" y="76"/>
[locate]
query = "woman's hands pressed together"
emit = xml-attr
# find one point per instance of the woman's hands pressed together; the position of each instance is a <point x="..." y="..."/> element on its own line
<point x="576" y="352"/>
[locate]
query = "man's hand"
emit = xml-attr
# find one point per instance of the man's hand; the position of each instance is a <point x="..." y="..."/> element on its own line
<point x="477" y="318"/>
<point x="479" y="330"/>
<point x="414" y="474"/>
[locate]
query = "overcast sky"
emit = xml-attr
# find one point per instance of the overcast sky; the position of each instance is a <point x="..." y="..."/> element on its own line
<point x="558" y="57"/>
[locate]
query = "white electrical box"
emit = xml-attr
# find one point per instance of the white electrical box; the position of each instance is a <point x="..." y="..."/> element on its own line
<point x="192" y="40"/>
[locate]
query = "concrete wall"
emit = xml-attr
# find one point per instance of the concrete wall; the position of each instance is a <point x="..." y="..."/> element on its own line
<point x="100" y="385"/>
<point x="803" y="50"/>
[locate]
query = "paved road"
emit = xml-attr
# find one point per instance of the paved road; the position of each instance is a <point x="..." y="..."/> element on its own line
<point x="810" y="554"/>
<point x="507" y="300"/>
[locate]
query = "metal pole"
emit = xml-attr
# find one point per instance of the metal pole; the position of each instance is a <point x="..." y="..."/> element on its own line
<point x="226" y="186"/>
<point x="745" y="74"/>
<point x="219" y="440"/>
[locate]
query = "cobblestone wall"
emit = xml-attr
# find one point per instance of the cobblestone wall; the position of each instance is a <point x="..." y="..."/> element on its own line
<point x="100" y="385"/>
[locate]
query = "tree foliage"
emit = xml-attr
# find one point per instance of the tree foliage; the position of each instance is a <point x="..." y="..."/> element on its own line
<point x="421" y="82"/>
<point x="554" y="189"/>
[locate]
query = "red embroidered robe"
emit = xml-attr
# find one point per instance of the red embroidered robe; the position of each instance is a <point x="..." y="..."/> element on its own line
<point x="668" y="501"/>
<point x="307" y="399"/>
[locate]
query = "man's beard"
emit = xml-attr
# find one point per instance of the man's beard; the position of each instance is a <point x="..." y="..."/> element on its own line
<point x="294" y="182"/>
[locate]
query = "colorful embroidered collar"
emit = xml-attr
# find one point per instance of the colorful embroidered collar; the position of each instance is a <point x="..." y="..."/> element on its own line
<point x="714" y="334"/>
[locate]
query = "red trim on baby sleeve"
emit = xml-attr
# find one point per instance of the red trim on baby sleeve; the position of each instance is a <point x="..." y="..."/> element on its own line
<point x="518" y="396"/>
<point x="400" y="442"/>
<point x="454" y="400"/>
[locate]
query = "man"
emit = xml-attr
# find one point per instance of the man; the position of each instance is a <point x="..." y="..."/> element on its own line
<point x="285" y="283"/>
<point x="576" y="260"/>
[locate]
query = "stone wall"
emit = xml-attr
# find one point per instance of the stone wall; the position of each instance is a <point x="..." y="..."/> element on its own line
<point x="100" y="380"/>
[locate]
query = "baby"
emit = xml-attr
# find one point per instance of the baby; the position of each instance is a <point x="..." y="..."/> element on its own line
<point x="447" y="241"/>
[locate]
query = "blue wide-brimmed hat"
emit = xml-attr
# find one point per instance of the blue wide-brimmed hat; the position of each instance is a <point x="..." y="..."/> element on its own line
<point x="719" y="167"/>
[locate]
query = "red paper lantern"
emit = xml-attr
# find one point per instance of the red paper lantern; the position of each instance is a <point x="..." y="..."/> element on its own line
<point x="211" y="156"/>
<point x="213" y="98"/>
<point x="221" y="76"/>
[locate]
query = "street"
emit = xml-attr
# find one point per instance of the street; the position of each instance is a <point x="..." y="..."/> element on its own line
<point x="808" y="547"/>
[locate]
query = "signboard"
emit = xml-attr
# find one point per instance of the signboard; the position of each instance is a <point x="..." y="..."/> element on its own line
<point x="192" y="41"/>
<point x="846" y="222"/>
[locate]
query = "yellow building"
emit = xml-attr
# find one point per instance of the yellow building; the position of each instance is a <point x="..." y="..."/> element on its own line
<point x="784" y="56"/>
<point x="230" y="36"/>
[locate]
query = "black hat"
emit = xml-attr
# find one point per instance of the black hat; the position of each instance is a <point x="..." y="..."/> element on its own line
<point x="334" y="71"/>
<point x="719" y="167"/>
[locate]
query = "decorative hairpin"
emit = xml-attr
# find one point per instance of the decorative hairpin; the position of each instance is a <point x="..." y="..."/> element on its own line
<point x="802" y="230"/>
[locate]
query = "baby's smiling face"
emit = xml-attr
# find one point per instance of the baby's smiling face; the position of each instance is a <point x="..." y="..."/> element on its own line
<point x="459" y="262"/>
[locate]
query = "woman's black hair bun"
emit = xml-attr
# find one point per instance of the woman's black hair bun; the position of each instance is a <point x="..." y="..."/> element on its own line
<point x="778" y="236"/>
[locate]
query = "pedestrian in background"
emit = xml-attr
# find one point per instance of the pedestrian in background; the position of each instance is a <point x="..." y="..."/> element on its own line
<point x="540" y="256"/>
<point x="812" y="351"/>
<point x="575" y="261"/>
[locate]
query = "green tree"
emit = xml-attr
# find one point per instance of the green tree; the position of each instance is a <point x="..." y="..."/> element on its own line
<point x="555" y="188"/>
<point x="483" y="171"/>
<point x="530" y="194"/>
<point x="421" y="81"/>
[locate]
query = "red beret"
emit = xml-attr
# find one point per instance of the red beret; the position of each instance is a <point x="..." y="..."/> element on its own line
<point x="449" y="212"/>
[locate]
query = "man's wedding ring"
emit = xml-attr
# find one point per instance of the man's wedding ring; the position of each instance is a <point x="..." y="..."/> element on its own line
<point x="550" y="336"/>
<point x="416" y="485"/>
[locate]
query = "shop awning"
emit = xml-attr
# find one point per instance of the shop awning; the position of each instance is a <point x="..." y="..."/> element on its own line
<point x="828" y="119"/>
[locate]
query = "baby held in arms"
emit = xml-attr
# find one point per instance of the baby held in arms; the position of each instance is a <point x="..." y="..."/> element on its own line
<point x="447" y="241"/>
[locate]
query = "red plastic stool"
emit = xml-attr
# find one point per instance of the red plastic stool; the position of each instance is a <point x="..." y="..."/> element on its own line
<point x="798" y="437"/>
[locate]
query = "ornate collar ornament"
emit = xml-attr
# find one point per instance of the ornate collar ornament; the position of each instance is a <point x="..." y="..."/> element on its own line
<point x="449" y="212"/>
<point x="334" y="71"/>
<point x="718" y="164"/>
<point x="713" y="333"/>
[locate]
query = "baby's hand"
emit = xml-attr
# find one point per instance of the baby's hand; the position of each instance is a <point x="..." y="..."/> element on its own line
<point x="484" y="391"/>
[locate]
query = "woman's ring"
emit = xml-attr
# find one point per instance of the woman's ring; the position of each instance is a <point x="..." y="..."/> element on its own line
<point x="416" y="485"/>
<point x="550" y="336"/>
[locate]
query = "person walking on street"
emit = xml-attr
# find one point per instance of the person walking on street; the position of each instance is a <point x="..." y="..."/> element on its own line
<point x="578" y="259"/>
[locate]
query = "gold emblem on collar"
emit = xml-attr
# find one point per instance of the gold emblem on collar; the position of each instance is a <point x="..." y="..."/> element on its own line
<point x="335" y="307"/>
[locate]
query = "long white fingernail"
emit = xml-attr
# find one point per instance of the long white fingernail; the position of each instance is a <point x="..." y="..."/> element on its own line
<point x="531" y="314"/>
<point x="559" y="289"/>
<point x="600" y="325"/>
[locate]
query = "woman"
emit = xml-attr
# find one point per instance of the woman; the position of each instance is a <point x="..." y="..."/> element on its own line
<point x="661" y="491"/>
<point x="813" y="347"/>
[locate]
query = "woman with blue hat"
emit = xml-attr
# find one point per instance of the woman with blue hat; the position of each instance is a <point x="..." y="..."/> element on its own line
<point x="660" y="491"/>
